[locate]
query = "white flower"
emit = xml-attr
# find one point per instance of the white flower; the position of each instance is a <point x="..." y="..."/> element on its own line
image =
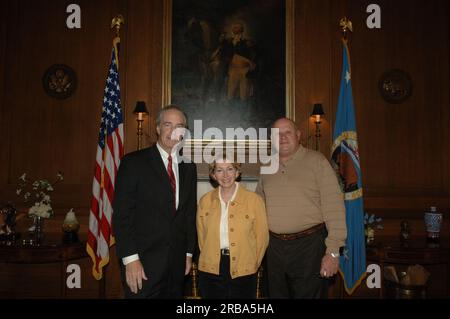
<point x="33" y="210"/>
<point x="41" y="210"/>
<point x="39" y="192"/>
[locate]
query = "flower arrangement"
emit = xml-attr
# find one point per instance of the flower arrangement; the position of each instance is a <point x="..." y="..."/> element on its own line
<point x="39" y="193"/>
<point x="371" y="222"/>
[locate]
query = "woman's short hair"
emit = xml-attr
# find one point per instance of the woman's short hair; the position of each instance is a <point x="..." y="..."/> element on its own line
<point x="224" y="159"/>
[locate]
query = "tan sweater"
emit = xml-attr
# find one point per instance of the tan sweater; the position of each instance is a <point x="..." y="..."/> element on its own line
<point x="303" y="193"/>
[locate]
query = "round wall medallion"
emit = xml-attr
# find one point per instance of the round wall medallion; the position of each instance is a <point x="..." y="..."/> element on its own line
<point x="395" y="86"/>
<point x="59" y="81"/>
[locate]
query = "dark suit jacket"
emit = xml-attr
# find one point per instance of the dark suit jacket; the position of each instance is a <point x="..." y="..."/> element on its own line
<point x="144" y="222"/>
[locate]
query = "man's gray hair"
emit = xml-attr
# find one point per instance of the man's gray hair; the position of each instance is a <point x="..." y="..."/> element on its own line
<point x="168" y="108"/>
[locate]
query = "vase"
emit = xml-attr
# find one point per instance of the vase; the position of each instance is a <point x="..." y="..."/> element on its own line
<point x="433" y="224"/>
<point x="38" y="223"/>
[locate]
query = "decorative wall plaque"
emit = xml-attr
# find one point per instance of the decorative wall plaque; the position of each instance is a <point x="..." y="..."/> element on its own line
<point x="59" y="81"/>
<point x="395" y="86"/>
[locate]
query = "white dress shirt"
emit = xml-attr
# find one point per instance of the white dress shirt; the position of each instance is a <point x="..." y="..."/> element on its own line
<point x="165" y="159"/>
<point x="224" y="240"/>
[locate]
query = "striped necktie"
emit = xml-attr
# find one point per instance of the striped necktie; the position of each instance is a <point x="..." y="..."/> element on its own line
<point x="172" y="182"/>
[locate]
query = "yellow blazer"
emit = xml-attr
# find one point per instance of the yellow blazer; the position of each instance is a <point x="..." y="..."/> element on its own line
<point x="247" y="231"/>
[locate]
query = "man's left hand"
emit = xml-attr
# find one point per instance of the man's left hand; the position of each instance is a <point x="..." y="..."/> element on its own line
<point x="188" y="265"/>
<point x="329" y="266"/>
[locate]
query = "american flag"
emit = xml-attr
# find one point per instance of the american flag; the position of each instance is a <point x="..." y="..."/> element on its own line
<point x="109" y="153"/>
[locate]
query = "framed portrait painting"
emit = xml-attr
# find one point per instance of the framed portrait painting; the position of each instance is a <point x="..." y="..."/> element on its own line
<point x="229" y="63"/>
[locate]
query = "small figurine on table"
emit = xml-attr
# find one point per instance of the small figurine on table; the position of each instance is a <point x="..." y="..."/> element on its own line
<point x="70" y="227"/>
<point x="8" y="229"/>
<point x="405" y="231"/>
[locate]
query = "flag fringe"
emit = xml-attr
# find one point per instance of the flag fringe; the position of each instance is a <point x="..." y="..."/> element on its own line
<point x="348" y="290"/>
<point x="98" y="275"/>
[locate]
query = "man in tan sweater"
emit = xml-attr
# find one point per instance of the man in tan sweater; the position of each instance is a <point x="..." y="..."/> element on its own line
<point x="306" y="217"/>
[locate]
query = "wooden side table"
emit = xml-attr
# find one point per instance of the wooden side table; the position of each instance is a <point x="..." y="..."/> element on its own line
<point x="391" y="251"/>
<point x="28" y="271"/>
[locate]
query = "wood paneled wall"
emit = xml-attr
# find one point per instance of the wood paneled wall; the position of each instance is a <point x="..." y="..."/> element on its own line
<point x="404" y="148"/>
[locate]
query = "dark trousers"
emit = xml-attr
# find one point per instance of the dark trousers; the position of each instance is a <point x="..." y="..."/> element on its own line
<point x="223" y="287"/>
<point x="293" y="267"/>
<point x="164" y="292"/>
<point x="166" y="288"/>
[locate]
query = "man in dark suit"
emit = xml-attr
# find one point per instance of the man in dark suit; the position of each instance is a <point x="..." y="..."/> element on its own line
<point x="154" y="214"/>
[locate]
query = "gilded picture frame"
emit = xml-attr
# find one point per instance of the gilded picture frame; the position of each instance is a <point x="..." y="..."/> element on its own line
<point x="200" y="30"/>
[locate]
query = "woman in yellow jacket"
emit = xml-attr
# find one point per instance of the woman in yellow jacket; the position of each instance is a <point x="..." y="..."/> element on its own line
<point x="232" y="234"/>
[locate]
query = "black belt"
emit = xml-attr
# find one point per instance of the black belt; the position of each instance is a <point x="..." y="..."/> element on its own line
<point x="225" y="252"/>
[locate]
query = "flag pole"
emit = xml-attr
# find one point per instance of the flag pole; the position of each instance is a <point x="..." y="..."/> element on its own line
<point x="353" y="263"/>
<point x="116" y="23"/>
<point x="346" y="26"/>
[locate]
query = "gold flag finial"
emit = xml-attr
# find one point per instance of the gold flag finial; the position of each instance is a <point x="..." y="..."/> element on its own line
<point x="346" y="25"/>
<point x="117" y="22"/>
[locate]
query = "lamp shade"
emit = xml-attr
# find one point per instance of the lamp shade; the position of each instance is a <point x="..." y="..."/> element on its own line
<point x="318" y="110"/>
<point x="140" y="108"/>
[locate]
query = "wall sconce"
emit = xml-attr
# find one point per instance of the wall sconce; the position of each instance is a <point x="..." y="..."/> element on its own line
<point x="140" y="110"/>
<point x="316" y="114"/>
